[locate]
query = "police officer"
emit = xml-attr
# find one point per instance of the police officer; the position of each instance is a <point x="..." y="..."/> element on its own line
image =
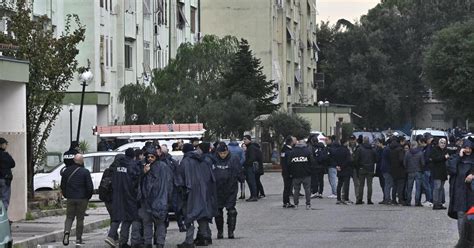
<point x="69" y="154"/>
<point x="154" y="193"/>
<point x="228" y="173"/>
<point x="290" y="141"/>
<point x="6" y="176"/>
<point x="300" y="160"/>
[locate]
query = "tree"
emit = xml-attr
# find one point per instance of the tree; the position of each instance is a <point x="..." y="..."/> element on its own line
<point x="284" y="124"/>
<point x="246" y="77"/>
<point x="52" y="63"/>
<point x="448" y="65"/>
<point x="137" y="105"/>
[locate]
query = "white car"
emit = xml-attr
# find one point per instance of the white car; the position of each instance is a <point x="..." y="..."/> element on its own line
<point x="95" y="162"/>
<point x="140" y="144"/>
<point x="437" y="134"/>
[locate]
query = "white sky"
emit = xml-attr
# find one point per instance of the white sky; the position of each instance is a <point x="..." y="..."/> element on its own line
<point x="351" y="10"/>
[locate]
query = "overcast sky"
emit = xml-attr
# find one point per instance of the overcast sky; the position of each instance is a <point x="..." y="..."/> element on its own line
<point x="351" y="10"/>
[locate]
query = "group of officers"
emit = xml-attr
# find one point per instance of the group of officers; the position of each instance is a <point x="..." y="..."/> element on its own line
<point x="142" y="187"/>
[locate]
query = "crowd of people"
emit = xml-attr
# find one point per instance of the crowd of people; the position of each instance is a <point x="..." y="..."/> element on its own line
<point x="423" y="164"/>
<point x="142" y="187"/>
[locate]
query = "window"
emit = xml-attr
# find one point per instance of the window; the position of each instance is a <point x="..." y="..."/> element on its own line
<point x="146" y="54"/>
<point x="110" y="5"/>
<point x="105" y="162"/>
<point x="105" y="4"/>
<point x="193" y="20"/>
<point x="102" y="60"/>
<point x="89" y="163"/>
<point x="160" y="15"/>
<point x="289" y="90"/>
<point x="101" y="3"/>
<point x="106" y="52"/>
<point x="128" y="56"/>
<point x="181" y="23"/>
<point x="111" y="52"/>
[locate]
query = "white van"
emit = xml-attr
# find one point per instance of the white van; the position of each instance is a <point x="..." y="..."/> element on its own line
<point x="437" y="134"/>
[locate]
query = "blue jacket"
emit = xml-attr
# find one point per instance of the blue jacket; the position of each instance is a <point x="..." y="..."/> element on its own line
<point x="124" y="195"/>
<point x="385" y="161"/>
<point x="228" y="172"/>
<point x="236" y="150"/>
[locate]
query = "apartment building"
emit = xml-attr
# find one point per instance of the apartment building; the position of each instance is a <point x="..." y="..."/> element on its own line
<point x="281" y="33"/>
<point x="125" y="40"/>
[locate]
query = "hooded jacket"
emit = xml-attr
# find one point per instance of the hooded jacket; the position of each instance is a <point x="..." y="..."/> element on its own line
<point x="124" y="195"/>
<point x="365" y="158"/>
<point x="461" y="194"/>
<point x="198" y="185"/>
<point x="300" y="161"/>
<point x="228" y="173"/>
<point x="414" y="160"/>
<point x="397" y="170"/>
<point x="341" y="156"/>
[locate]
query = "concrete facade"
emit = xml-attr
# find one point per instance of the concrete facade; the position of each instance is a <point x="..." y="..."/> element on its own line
<point x="281" y="33"/>
<point x="125" y="40"/>
<point x="13" y="79"/>
<point x="433" y="115"/>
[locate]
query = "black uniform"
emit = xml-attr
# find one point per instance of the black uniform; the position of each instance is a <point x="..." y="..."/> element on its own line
<point x="287" y="182"/>
<point x="69" y="156"/>
<point x="300" y="168"/>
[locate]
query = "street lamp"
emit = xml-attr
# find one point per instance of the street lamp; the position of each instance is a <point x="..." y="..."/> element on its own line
<point x="71" y="108"/>
<point x="320" y="105"/>
<point x="85" y="77"/>
<point x="326" y="104"/>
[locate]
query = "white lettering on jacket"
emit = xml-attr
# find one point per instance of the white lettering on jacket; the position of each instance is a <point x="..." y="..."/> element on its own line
<point x="122" y="169"/>
<point x="68" y="156"/>
<point x="299" y="159"/>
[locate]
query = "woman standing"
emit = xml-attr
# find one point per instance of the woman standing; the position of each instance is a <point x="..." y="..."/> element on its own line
<point x="438" y="157"/>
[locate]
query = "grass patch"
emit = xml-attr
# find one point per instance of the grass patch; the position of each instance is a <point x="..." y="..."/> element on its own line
<point x="105" y="224"/>
<point x="92" y="205"/>
<point x="29" y="216"/>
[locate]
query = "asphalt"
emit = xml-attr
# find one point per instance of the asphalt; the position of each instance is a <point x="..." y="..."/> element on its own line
<point x="266" y="224"/>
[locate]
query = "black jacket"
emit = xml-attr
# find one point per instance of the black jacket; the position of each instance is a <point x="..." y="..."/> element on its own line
<point x="341" y="156"/>
<point x="397" y="170"/>
<point x="124" y="195"/>
<point x="69" y="156"/>
<point x="79" y="186"/>
<point x="365" y="158"/>
<point x="228" y="174"/>
<point x="461" y="196"/>
<point x="252" y="155"/>
<point x="438" y="162"/>
<point x="300" y="161"/>
<point x="284" y="159"/>
<point x="6" y="165"/>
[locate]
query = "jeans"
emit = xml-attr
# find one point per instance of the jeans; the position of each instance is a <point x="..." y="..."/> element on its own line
<point x="5" y="192"/>
<point x="137" y="233"/>
<point x="306" y="181"/>
<point x="287" y="187"/>
<point x="251" y="181"/>
<point x="75" y="208"/>
<point x="332" y="176"/>
<point x="355" y="180"/>
<point x="427" y="186"/>
<point x="365" y="176"/>
<point x="438" y="192"/>
<point x="260" y="191"/>
<point x="460" y="222"/>
<point x="388" y="186"/>
<point x="412" y="178"/>
<point x="317" y="181"/>
<point x="343" y="182"/>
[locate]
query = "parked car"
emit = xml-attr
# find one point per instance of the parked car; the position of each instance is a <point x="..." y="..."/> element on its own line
<point x="437" y="134"/>
<point x="141" y="144"/>
<point x="388" y="133"/>
<point x="95" y="162"/>
<point x="6" y="239"/>
<point x="370" y="135"/>
<point x="321" y="136"/>
<point x="378" y="135"/>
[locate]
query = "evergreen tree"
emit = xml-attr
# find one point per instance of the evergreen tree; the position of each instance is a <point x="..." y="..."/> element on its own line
<point x="246" y="77"/>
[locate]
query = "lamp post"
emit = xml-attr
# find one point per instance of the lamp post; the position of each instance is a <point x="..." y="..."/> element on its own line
<point x="320" y="105"/>
<point x="326" y="104"/>
<point x="71" y="108"/>
<point x="85" y="77"/>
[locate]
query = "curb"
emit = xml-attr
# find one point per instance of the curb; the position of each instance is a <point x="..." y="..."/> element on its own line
<point x="58" y="235"/>
<point x="48" y="213"/>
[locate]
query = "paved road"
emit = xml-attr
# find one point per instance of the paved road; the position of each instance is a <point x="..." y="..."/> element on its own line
<point x="267" y="224"/>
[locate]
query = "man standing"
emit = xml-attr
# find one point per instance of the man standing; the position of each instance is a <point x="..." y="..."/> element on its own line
<point x="354" y="144"/>
<point x="299" y="168"/>
<point x="290" y="141"/>
<point x="197" y="186"/>
<point x="332" y="171"/>
<point x="414" y="162"/>
<point x="124" y="203"/>
<point x="6" y="176"/>
<point x="365" y="157"/>
<point x="341" y="159"/>
<point x="237" y="151"/>
<point x="250" y="167"/>
<point x="154" y="195"/>
<point x="77" y="188"/>
<point x="397" y="170"/>
<point x="228" y="173"/>
<point x="427" y="180"/>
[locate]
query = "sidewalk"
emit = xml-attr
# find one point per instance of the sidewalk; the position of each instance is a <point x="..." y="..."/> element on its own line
<point x="50" y="229"/>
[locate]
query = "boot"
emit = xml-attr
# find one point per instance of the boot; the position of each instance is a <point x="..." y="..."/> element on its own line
<point x="231" y="222"/>
<point x="220" y="226"/>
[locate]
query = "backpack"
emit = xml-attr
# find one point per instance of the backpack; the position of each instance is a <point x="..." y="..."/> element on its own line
<point x="105" y="186"/>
